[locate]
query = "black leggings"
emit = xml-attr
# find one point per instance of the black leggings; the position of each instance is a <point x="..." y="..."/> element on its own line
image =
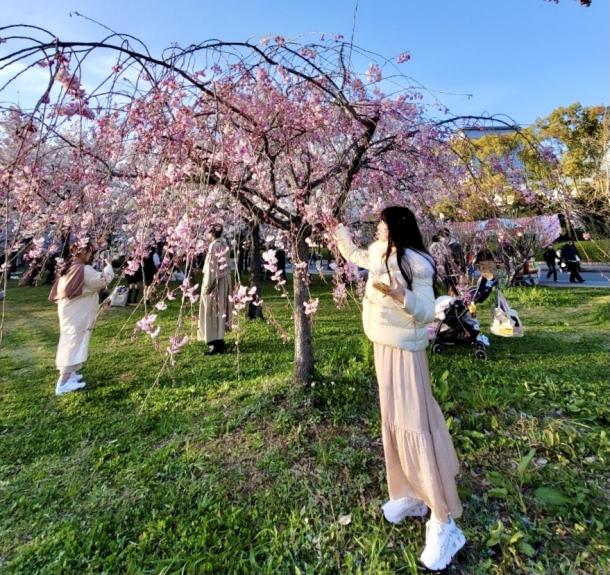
<point x="574" y="275"/>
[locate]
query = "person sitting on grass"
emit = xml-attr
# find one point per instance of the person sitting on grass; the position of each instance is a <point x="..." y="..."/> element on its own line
<point x="75" y="292"/>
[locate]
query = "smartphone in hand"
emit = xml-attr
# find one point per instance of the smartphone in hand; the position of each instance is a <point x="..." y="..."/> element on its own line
<point x="383" y="288"/>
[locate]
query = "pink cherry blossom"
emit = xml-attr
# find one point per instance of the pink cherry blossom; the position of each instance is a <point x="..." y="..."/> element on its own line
<point x="147" y="325"/>
<point x="311" y="306"/>
<point x="270" y="261"/>
<point x="241" y="297"/>
<point x="373" y="73"/>
<point x="176" y="343"/>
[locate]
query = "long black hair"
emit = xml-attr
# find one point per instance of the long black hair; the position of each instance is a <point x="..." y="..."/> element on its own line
<point x="404" y="234"/>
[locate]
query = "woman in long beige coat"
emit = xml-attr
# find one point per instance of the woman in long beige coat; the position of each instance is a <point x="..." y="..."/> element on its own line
<point x="214" y="306"/>
<point x="421" y="463"/>
<point x="76" y="295"/>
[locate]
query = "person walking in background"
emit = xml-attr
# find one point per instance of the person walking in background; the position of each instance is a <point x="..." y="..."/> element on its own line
<point x="440" y="253"/>
<point x="457" y="261"/>
<point x="76" y="293"/>
<point x="449" y="257"/>
<point x="421" y="463"/>
<point x="570" y="255"/>
<point x="214" y="306"/>
<point x="550" y="258"/>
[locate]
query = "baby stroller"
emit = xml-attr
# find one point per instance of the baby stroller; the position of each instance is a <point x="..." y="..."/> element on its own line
<point x="457" y="325"/>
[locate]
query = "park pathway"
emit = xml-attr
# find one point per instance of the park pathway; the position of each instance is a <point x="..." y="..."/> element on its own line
<point x="595" y="276"/>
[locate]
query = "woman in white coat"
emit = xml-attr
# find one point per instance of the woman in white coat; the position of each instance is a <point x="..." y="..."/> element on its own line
<point x="421" y="463"/>
<point x="76" y="295"/>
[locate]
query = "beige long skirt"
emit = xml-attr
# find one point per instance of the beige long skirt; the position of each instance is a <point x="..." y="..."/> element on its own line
<point x="419" y="455"/>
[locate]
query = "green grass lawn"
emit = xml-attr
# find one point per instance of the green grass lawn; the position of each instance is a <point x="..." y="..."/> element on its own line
<point x="221" y="465"/>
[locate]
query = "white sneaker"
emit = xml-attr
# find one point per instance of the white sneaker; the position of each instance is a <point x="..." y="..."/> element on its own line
<point x="72" y="384"/>
<point x="395" y="510"/>
<point x="443" y="541"/>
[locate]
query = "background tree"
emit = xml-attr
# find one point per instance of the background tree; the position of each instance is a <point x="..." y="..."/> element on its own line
<point x="559" y="164"/>
<point x="579" y="137"/>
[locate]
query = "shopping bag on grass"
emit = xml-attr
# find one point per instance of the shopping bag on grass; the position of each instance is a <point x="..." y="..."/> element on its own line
<point x="118" y="297"/>
<point x="505" y="320"/>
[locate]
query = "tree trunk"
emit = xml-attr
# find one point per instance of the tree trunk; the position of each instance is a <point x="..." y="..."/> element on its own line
<point x="256" y="266"/>
<point x="257" y="270"/>
<point x="303" y="345"/>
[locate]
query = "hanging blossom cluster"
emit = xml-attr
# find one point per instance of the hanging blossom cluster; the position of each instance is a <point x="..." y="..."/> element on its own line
<point x="373" y="73"/>
<point x="75" y="108"/>
<point x="222" y="259"/>
<point x="345" y="274"/>
<point x="339" y="291"/>
<point x="242" y="296"/>
<point x="311" y="306"/>
<point x="78" y="105"/>
<point x="270" y="265"/>
<point x="189" y="292"/>
<point x="148" y="325"/>
<point x="176" y="343"/>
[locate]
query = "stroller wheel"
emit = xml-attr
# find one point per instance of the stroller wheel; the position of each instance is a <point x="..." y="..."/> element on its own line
<point x="438" y="348"/>
<point x="480" y="354"/>
<point x="479" y="345"/>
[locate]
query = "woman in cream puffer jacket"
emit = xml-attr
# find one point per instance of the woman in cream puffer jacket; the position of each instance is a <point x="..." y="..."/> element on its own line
<point x="385" y="320"/>
<point x="421" y="463"/>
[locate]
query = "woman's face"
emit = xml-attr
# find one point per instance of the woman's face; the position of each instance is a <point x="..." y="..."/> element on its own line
<point x="382" y="231"/>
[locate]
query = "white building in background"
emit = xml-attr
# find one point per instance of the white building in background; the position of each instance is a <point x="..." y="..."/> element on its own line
<point x="476" y="132"/>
